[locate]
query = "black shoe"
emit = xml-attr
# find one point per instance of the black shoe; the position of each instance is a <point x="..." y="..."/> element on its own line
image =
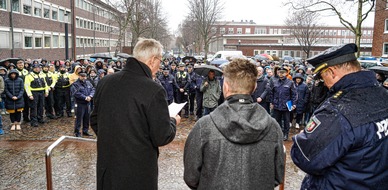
<point x="26" y="120"/>
<point x="42" y="121"/>
<point x="77" y="135"/>
<point x="86" y="134"/>
<point x="52" y="116"/>
<point x="191" y="113"/>
<point x="186" y="116"/>
<point x="34" y="124"/>
<point x="69" y="115"/>
<point x="285" y="137"/>
<point x="59" y="115"/>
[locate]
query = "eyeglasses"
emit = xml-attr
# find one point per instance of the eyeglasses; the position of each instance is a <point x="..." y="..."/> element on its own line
<point x="158" y="59"/>
<point x="319" y="74"/>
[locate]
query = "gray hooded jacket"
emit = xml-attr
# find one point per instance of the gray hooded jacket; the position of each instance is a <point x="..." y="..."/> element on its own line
<point x="237" y="146"/>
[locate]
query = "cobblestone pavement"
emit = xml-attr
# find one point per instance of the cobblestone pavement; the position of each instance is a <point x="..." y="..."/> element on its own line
<point x="22" y="159"/>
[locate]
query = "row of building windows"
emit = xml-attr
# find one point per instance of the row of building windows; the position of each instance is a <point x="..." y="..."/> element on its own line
<point x="263" y="30"/>
<point x="37" y="9"/>
<point x="88" y="6"/>
<point x="91" y="25"/>
<point x="27" y="40"/>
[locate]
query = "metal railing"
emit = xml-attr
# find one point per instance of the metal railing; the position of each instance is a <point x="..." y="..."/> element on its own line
<point x="48" y="156"/>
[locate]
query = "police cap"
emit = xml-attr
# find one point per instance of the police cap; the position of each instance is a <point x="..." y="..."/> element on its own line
<point x="182" y="65"/>
<point x="283" y="68"/>
<point x="333" y="56"/>
<point x="36" y="65"/>
<point x="82" y="73"/>
<point x="166" y="69"/>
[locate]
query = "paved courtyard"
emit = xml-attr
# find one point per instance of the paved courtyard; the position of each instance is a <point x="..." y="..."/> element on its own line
<point x="22" y="159"/>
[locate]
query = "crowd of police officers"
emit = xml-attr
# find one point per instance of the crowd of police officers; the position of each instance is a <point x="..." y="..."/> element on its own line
<point x="52" y="89"/>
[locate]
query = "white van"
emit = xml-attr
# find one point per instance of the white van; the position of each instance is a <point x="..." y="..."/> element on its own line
<point x="228" y="54"/>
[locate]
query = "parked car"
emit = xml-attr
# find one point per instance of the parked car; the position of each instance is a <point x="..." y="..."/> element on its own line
<point x="368" y="61"/>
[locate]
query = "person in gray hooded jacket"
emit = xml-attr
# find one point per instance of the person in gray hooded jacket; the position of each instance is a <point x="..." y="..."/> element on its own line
<point x="238" y="145"/>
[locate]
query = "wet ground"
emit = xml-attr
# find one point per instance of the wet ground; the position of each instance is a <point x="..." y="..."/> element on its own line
<point x="22" y="159"/>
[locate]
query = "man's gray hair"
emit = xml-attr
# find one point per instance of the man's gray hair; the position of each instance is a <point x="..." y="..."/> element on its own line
<point x="146" y="48"/>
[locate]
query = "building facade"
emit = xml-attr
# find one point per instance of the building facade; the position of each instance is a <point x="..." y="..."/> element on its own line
<point x="380" y="35"/>
<point x="252" y="39"/>
<point x="36" y="28"/>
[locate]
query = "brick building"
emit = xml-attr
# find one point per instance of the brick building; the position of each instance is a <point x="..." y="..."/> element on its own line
<point x="36" y="28"/>
<point x="380" y="35"/>
<point x="252" y="39"/>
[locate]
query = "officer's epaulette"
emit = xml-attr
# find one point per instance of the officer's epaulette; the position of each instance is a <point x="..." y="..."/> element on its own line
<point x="338" y="94"/>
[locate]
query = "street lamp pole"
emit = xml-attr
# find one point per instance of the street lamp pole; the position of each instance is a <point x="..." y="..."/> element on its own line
<point x="239" y="43"/>
<point x="67" y="37"/>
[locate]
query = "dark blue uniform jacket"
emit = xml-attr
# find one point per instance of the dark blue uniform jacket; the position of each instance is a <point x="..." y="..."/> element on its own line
<point x="345" y="144"/>
<point x="282" y="91"/>
<point x="168" y="85"/>
<point x="82" y="89"/>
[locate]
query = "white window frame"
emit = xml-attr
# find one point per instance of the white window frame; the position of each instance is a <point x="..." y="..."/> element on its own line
<point x="44" y="41"/>
<point x="37" y="6"/>
<point x="29" y="35"/>
<point x="29" y="4"/>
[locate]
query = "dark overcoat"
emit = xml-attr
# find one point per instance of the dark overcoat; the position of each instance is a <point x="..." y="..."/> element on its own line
<point x="14" y="87"/>
<point x="131" y="120"/>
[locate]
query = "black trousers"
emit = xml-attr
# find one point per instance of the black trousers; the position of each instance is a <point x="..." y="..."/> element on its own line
<point x="49" y="103"/>
<point x="199" y="99"/>
<point x="283" y="119"/>
<point x="191" y="101"/>
<point x="82" y="114"/>
<point x="62" y="97"/>
<point x="15" y="117"/>
<point x="36" y="106"/>
<point x="181" y="98"/>
<point x="26" y="111"/>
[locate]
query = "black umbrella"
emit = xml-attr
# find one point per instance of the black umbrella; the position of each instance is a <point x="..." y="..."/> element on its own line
<point x="123" y="55"/>
<point x="11" y="60"/>
<point x="101" y="55"/>
<point x="190" y="58"/>
<point x="203" y="70"/>
<point x="379" y="69"/>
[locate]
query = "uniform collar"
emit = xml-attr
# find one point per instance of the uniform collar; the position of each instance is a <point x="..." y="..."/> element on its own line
<point x="360" y="79"/>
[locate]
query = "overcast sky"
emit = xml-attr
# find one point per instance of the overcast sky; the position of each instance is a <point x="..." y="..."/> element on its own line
<point x="260" y="11"/>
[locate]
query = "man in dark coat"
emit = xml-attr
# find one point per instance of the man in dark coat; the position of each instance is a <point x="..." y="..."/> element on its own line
<point x="345" y="144"/>
<point x="167" y="81"/>
<point x="303" y="97"/>
<point x="261" y="91"/>
<point x="238" y="145"/>
<point x="128" y="140"/>
<point x="281" y="91"/>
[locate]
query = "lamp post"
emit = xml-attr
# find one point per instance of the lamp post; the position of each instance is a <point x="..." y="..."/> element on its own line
<point x="66" y="36"/>
<point x="281" y="56"/>
<point x="239" y="43"/>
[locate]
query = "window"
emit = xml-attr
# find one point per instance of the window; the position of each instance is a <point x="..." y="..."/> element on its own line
<point x="54" y="13"/>
<point x="239" y="30"/>
<point x="61" y="15"/>
<point x="27" y="7"/>
<point x="4" y="42"/>
<point x="77" y="41"/>
<point x="62" y="41"/>
<point x="386" y="26"/>
<point x="38" y="41"/>
<point x="385" y="49"/>
<point x="77" y="22"/>
<point x="261" y="31"/>
<point x="15" y="5"/>
<point x="46" y="11"/>
<point x="38" y="9"/>
<point x="55" y="41"/>
<point x="230" y="30"/>
<point x="247" y="30"/>
<point x="18" y="40"/>
<point x="3" y="4"/>
<point x="28" y="40"/>
<point x="47" y="41"/>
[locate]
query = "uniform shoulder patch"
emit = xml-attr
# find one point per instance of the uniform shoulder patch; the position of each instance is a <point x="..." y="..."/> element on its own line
<point x="312" y="125"/>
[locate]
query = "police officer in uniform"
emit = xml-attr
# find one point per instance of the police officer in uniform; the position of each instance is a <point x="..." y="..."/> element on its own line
<point x="345" y="143"/>
<point x="62" y="92"/>
<point x="167" y="81"/>
<point x="49" y="100"/>
<point x="83" y="92"/>
<point x="37" y="89"/>
<point x="22" y="74"/>
<point x="192" y="88"/>
<point x="182" y="84"/>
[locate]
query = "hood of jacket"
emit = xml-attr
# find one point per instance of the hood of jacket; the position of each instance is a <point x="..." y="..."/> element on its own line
<point x="298" y="75"/>
<point x="242" y="121"/>
<point x="75" y="69"/>
<point x="13" y="71"/>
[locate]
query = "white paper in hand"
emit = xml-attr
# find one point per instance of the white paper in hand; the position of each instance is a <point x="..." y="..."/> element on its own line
<point x="175" y="108"/>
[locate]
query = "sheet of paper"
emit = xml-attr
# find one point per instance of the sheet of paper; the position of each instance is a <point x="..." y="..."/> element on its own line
<point x="174" y="108"/>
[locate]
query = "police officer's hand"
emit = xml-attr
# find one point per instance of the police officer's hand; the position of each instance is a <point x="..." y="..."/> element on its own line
<point x="177" y="119"/>
<point x="45" y="95"/>
<point x="259" y="99"/>
<point x="31" y="97"/>
<point x="14" y="98"/>
<point x="181" y="90"/>
<point x="206" y="83"/>
<point x="293" y="107"/>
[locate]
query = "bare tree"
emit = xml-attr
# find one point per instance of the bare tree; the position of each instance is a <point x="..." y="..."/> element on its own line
<point x="204" y="13"/>
<point x="188" y="34"/>
<point x="364" y="7"/>
<point x="305" y="28"/>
